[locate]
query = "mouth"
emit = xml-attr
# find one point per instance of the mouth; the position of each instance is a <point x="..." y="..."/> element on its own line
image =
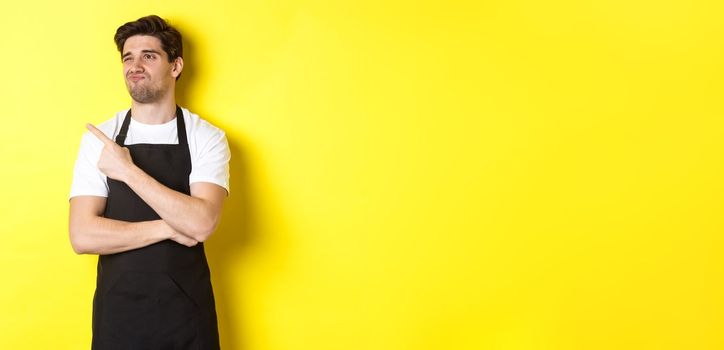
<point x="136" y="77"/>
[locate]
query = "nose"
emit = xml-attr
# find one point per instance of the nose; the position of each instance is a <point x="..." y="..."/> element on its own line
<point x="135" y="66"/>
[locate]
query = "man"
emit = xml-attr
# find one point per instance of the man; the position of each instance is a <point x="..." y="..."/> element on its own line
<point x="148" y="189"/>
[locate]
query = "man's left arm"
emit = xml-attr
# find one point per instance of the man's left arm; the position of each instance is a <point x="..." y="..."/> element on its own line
<point x="195" y="215"/>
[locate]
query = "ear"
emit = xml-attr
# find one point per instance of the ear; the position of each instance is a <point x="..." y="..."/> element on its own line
<point x="178" y="66"/>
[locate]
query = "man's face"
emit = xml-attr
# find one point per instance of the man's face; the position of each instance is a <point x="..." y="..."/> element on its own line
<point x="149" y="74"/>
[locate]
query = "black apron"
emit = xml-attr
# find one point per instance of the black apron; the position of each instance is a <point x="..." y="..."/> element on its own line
<point x="158" y="296"/>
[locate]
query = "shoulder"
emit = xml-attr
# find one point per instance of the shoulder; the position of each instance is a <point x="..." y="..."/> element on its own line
<point x="200" y="129"/>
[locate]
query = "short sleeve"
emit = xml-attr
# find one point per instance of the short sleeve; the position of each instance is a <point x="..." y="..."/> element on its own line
<point x="211" y="163"/>
<point x="88" y="180"/>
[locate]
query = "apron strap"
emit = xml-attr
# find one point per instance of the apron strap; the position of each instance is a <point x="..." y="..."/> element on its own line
<point x="181" y="127"/>
<point x="121" y="138"/>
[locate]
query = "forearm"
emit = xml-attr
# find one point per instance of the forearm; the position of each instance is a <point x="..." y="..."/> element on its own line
<point x="99" y="235"/>
<point x="186" y="214"/>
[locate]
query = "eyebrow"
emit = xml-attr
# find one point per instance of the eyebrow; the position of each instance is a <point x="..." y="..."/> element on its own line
<point x="142" y="51"/>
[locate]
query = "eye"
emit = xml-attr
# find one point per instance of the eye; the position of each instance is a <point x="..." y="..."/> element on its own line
<point x="148" y="56"/>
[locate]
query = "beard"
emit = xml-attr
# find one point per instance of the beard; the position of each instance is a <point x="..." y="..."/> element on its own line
<point x="142" y="93"/>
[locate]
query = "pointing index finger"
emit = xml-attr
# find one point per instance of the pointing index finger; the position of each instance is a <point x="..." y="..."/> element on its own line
<point x="99" y="134"/>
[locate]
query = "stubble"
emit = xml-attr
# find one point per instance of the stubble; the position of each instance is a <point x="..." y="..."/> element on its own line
<point x="142" y="93"/>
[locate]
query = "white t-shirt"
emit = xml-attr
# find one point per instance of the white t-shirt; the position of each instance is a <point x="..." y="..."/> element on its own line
<point x="207" y="144"/>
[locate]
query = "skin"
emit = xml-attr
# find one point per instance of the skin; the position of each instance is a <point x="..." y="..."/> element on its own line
<point x="186" y="219"/>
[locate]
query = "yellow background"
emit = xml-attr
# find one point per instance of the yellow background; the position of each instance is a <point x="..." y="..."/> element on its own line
<point x="405" y="175"/>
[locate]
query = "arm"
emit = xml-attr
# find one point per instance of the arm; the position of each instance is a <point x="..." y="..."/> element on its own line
<point x="195" y="215"/>
<point x="91" y="233"/>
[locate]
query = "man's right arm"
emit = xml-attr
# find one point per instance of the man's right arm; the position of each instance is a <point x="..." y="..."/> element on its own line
<point x="91" y="233"/>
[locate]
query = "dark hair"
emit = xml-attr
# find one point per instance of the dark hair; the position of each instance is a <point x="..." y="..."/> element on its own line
<point x="153" y="26"/>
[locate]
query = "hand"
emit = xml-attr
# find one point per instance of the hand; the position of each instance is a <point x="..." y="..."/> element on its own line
<point x="115" y="161"/>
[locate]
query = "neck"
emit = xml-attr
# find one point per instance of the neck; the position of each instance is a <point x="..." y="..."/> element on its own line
<point x="158" y="112"/>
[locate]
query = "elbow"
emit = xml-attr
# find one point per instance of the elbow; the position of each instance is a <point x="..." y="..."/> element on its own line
<point x="201" y="237"/>
<point x="79" y="250"/>
<point x="202" y="234"/>
<point x="204" y="230"/>
<point x="78" y="245"/>
<point x="77" y="241"/>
